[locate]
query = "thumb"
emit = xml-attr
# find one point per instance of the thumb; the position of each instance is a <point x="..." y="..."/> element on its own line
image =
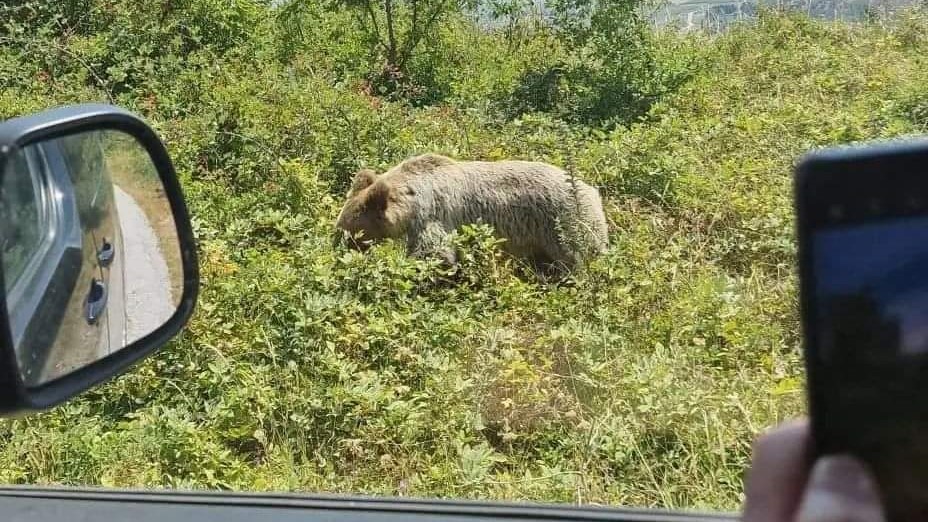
<point x="841" y="488"/>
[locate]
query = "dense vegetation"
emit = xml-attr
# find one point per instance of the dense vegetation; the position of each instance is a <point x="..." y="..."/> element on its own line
<point x="310" y="368"/>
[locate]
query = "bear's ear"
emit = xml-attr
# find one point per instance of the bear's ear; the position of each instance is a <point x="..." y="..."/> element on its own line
<point x="362" y="179"/>
<point x="376" y="198"/>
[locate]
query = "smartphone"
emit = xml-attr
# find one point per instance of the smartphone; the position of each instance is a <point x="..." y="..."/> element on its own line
<point x="862" y="223"/>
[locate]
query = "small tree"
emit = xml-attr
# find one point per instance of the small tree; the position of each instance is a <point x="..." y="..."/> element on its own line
<point x="512" y="13"/>
<point x="611" y="73"/>
<point x="396" y="28"/>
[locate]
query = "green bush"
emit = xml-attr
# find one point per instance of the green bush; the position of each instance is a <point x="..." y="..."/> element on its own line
<point x="610" y="71"/>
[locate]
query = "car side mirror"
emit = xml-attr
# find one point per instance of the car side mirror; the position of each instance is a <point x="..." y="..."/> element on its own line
<point x="98" y="258"/>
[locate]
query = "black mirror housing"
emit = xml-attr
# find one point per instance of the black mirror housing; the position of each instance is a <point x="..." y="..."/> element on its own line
<point x="16" y="397"/>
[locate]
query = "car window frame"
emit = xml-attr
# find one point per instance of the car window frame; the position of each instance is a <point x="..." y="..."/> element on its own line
<point x="38" y="177"/>
<point x="22" y="298"/>
<point x="156" y="504"/>
<point x="19" y="301"/>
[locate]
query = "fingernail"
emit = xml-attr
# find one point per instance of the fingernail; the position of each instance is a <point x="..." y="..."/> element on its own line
<point x="841" y="488"/>
<point x="843" y="475"/>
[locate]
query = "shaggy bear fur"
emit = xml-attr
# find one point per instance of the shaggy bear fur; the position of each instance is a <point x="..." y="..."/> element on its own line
<point x="545" y="216"/>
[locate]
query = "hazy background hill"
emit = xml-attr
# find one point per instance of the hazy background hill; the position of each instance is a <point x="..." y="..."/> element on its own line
<point x="716" y="15"/>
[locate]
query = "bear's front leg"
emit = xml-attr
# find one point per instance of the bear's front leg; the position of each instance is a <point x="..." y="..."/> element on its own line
<point x="431" y="240"/>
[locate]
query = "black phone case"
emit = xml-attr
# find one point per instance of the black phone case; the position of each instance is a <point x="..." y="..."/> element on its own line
<point x="874" y="182"/>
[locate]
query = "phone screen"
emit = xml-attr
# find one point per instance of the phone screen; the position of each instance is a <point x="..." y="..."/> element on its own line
<point x="871" y="349"/>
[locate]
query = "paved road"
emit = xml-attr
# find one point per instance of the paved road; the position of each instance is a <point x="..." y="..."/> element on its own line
<point x="147" y="283"/>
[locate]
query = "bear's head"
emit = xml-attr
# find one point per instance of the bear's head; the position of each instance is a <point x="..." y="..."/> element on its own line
<point x="366" y="217"/>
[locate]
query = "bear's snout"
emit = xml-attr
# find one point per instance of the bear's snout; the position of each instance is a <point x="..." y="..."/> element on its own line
<point x="355" y="242"/>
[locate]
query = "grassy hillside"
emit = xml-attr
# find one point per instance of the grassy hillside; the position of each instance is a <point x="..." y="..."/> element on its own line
<point x="317" y="369"/>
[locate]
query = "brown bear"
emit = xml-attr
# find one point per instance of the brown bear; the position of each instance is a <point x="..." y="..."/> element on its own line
<point x="544" y="215"/>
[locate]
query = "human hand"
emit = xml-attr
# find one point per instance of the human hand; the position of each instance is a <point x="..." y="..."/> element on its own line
<point x="781" y="489"/>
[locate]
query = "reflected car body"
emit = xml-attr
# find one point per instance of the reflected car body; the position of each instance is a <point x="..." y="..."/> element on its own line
<point x="53" y="298"/>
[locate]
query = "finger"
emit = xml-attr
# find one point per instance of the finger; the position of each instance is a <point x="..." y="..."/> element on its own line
<point x="778" y="473"/>
<point x="841" y="489"/>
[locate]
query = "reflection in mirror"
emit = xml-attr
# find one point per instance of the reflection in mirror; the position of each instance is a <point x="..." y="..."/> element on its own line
<point x="90" y="254"/>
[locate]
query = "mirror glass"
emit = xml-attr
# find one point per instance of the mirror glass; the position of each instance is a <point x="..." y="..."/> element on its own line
<point x="90" y="253"/>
